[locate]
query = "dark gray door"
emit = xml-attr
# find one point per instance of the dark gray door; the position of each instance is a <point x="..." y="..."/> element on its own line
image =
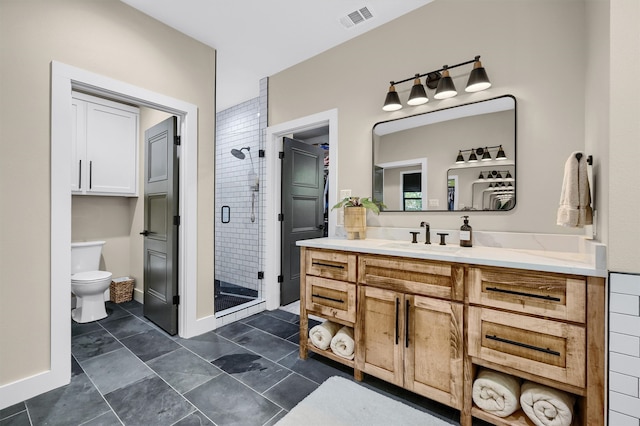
<point x="161" y="226"/>
<point x="302" y="209"/>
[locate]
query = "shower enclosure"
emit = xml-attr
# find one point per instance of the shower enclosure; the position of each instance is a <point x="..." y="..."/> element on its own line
<point x="238" y="204"/>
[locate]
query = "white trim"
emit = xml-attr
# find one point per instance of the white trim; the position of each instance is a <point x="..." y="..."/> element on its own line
<point x="64" y="78"/>
<point x="273" y="199"/>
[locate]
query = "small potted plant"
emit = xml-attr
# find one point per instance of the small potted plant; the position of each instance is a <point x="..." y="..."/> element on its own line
<point x="355" y="215"/>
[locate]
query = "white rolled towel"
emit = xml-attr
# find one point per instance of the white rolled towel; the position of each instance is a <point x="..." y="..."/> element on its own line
<point x="546" y="406"/>
<point x="322" y="334"/>
<point x="343" y="344"/>
<point x="496" y="393"/>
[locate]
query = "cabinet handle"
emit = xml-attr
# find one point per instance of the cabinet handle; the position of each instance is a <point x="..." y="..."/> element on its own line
<point x="406" y="324"/>
<point x="522" y="345"/>
<point x="90" y="173"/>
<point x="327" y="265"/>
<point x="397" y="321"/>
<point x="327" y="298"/>
<point x="80" y="175"/>
<point x="519" y="293"/>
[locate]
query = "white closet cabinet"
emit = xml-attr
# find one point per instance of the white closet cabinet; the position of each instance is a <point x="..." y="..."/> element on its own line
<point x="104" y="147"/>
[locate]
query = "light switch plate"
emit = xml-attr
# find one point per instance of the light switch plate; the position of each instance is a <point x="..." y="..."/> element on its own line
<point x="344" y="193"/>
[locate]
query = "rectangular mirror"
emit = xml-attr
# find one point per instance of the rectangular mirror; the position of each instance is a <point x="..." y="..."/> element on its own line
<point x="425" y="162"/>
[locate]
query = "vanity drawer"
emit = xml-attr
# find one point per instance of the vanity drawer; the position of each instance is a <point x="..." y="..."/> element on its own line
<point x="547" y="295"/>
<point x="422" y="277"/>
<point x="331" y="299"/>
<point x="331" y="264"/>
<point x="543" y="347"/>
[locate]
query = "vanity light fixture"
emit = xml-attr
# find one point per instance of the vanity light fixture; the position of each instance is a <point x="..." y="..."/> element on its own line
<point x="418" y="95"/>
<point x="483" y="153"/>
<point x="392" y="102"/>
<point x="478" y="79"/>
<point x="441" y="81"/>
<point x="486" y="156"/>
<point x="446" y="88"/>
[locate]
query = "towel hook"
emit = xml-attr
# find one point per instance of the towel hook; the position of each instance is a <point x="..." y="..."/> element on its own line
<point x="589" y="158"/>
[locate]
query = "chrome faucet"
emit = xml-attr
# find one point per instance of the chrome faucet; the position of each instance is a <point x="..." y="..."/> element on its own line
<point x="427" y="233"/>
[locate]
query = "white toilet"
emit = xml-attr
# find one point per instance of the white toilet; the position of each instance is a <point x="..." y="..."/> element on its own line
<point x="87" y="282"/>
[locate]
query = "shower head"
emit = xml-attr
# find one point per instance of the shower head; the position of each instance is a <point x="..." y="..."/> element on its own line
<point x="238" y="152"/>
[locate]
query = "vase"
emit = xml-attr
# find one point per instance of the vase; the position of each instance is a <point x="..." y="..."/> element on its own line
<point x="355" y="222"/>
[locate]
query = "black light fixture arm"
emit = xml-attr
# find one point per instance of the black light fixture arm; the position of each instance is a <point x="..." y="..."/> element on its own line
<point x="445" y="67"/>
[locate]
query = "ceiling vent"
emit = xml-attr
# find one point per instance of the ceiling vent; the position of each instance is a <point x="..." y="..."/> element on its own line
<point x="356" y="17"/>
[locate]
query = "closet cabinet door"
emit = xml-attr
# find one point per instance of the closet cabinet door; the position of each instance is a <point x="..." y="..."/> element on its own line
<point x="78" y="144"/>
<point x="112" y="136"/>
<point x="104" y="148"/>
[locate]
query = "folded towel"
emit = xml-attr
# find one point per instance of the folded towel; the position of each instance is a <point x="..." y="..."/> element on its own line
<point x="322" y="334"/>
<point x="575" y="198"/>
<point x="546" y="406"/>
<point x="343" y="344"/>
<point x="496" y="393"/>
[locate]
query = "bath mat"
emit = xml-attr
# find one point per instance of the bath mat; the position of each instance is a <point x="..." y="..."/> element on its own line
<point x="342" y="402"/>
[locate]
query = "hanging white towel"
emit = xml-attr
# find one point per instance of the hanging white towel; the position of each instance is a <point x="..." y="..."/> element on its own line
<point x="575" y="198"/>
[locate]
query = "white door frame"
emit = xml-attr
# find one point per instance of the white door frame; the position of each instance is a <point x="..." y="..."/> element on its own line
<point x="274" y="191"/>
<point x="65" y="78"/>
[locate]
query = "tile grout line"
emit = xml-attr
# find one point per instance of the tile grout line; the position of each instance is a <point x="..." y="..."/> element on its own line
<point x="155" y="374"/>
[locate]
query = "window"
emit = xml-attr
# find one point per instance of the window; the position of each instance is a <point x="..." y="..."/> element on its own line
<point x="412" y="191"/>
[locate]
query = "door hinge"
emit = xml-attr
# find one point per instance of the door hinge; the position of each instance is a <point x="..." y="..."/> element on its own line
<point x="260" y="275"/>
<point x="176" y="299"/>
<point x="261" y="153"/>
<point x="280" y="278"/>
<point x="280" y="217"/>
<point x="176" y="220"/>
<point x="176" y="140"/>
<point x="281" y="155"/>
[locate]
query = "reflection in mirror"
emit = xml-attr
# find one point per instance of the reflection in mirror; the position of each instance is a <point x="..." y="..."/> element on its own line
<point x="457" y="158"/>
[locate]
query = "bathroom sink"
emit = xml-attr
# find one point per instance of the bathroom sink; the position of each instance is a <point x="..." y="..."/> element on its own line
<point x="421" y="246"/>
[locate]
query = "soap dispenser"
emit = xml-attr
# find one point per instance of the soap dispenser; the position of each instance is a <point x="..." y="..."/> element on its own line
<point x="466" y="233"/>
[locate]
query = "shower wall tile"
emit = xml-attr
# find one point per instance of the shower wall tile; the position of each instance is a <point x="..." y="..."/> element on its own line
<point x="238" y="242"/>
<point x="624" y="359"/>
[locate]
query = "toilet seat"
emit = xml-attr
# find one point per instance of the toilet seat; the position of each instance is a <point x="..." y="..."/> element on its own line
<point x="90" y="277"/>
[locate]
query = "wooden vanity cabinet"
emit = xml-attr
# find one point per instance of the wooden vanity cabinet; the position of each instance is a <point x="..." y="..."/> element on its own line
<point x="543" y="327"/>
<point x="405" y="336"/>
<point x="430" y="326"/>
<point x="327" y="290"/>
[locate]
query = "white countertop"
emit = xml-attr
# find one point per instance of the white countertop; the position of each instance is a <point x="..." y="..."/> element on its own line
<point x="577" y="263"/>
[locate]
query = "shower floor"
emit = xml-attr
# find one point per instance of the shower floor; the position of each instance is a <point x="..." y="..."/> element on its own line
<point x="229" y="295"/>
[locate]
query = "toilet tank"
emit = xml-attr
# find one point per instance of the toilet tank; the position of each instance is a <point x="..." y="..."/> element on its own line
<point x="85" y="256"/>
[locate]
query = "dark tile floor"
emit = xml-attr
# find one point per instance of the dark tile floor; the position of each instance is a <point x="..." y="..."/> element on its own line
<point x="127" y="371"/>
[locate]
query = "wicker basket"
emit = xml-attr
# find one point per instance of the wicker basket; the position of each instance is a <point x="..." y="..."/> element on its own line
<point x="121" y="289"/>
